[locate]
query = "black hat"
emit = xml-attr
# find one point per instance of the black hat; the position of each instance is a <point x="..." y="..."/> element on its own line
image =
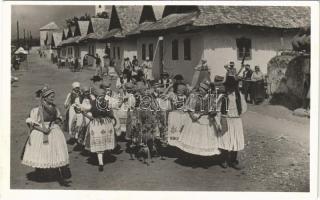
<point x="178" y="77"/>
<point x="96" y="78"/>
<point x="165" y="74"/>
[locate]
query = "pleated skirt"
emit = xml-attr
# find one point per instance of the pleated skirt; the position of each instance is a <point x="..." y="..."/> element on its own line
<point x="232" y="139"/>
<point x="199" y="138"/>
<point x="49" y="155"/>
<point x="72" y="120"/>
<point x="100" y="135"/>
<point x="176" y="124"/>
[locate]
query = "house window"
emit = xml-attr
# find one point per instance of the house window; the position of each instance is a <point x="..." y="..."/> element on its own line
<point x="143" y="52"/>
<point x="118" y="50"/>
<point x="187" y="49"/>
<point x="114" y="52"/>
<point x="243" y="48"/>
<point x="150" y="51"/>
<point x="175" y="50"/>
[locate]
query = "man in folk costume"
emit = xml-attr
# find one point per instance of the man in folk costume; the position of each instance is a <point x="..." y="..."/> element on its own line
<point x="100" y="134"/>
<point x="72" y="98"/>
<point x="230" y="136"/>
<point x="147" y="70"/>
<point x="127" y="68"/>
<point x="199" y="136"/>
<point x="164" y="80"/>
<point x="231" y="70"/>
<point x="247" y="73"/>
<point x="46" y="146"/>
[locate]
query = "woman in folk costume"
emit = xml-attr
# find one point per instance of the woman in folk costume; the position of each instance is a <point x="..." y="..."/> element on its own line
<point x="100" y="133"/>
<point x="199" y="135"/>
<point x="46" y="147"/>
<point x="71" y="100"/>
<point x="230" y="137"/>
<point x="83" y="115"/>
<point x="177" y="116"/>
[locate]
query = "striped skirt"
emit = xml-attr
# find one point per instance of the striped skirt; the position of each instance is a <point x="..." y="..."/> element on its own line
<point x="232" y="138"/>
<point x="100" y="135"/>
<point x="46" y="155"/>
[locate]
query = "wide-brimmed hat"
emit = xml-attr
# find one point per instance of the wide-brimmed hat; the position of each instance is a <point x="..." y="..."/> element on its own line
<point x="96" y="78"/>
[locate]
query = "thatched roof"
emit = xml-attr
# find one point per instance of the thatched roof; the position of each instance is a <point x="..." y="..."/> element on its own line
<point x="71" y="41"/>
<point x="172" y="21"/>
<point x="50" y="26"/>
<point x="286" y="17"/>
<point x="83" y="27"/>
<point x="99" y="28"/>
<point x="268" y="16"/>
<point x="125" y="17"/>
<point x="147" y="18"/>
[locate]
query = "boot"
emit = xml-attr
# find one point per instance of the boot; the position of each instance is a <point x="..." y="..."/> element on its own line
<point x="224" y="158"/>
<point x="233" y="162"/>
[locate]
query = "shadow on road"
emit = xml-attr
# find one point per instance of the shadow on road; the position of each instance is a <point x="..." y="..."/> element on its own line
<point x="107" y="158"/>
<point x="194" y="161"/>
<point x="43" y="175"/>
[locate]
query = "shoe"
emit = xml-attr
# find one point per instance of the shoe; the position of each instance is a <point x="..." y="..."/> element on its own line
<point x="100" y="168"/>
<point x="71" y="141"/>
<point x="224" y="165"/>
<point x="236" y="166"/>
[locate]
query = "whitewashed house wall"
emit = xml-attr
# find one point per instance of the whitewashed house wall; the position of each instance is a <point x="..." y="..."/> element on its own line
<point x="220" y="47"/>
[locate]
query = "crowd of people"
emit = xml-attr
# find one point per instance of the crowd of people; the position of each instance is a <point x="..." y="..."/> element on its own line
<point x="149" y="115"/>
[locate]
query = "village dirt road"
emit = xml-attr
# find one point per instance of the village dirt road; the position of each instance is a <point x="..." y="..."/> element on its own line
<point x="276" y="157"/>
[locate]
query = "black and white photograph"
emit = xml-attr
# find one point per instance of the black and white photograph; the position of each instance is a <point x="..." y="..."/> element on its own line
<point x="162" y="96"/>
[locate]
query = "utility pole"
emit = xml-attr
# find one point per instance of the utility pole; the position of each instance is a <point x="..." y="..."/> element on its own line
<point x="24" y="38"/>
<point x="18" y="34"/>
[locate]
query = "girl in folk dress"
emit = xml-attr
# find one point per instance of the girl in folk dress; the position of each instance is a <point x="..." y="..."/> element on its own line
<point x="199" y="135"/>
<point x="231" y="139"/>
<point x="46" y="146"/>
<point x="100" y="133"/>
<point x="71" y="100"/>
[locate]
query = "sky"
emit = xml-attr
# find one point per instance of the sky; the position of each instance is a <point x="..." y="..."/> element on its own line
<point x="33" y="17"/>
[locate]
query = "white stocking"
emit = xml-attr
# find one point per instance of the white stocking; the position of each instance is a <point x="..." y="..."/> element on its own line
<point x="100" y="158"/>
